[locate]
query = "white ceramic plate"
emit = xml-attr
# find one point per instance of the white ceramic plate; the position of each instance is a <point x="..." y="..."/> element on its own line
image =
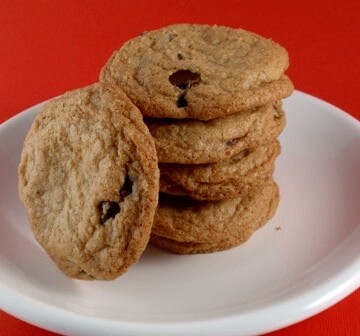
<point x="303" y="261"/>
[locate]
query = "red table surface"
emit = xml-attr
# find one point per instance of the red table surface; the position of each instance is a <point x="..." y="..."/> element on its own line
<point x="48" y="47"/>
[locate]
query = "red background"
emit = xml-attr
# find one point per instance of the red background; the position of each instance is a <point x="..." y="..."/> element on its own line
<point x="48" y="47"/>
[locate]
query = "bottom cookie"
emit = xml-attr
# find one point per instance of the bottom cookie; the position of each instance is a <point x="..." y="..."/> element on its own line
<point x="184" y="219"/>
<point x="193" y="247"/>
<point x="213" y="226"/>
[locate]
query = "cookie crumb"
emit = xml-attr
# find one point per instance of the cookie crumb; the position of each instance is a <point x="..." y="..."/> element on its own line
<point x="278" y="228"/>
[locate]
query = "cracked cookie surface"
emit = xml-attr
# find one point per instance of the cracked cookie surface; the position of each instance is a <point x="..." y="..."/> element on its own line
<point x="88" y="178"/>
<point x="199" y="71"/>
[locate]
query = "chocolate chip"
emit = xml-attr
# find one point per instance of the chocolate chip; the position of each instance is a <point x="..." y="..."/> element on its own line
<point x="184" y="79"/>
<point x="232" y="142"/>
<point x="108" y="210"/>
<point x="182" y="102"/>
<point x="126" y="189"/>
<point x="180" y="57"/>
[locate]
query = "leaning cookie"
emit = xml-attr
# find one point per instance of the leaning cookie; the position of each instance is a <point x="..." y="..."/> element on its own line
<point x="183" y="219"/>
<point x="229" y="178"/>
<point x="192" y="141"/>
<point x="88" y="179"/>
<point x="199" y="71"/>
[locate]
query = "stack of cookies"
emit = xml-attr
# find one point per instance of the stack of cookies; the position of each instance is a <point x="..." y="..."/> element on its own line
<point x="203" y="104"/>
<point x="211" y="97"/>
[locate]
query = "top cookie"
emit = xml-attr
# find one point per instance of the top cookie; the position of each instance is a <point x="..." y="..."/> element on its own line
<point x="199" y="71"/>
<point x="88" y="178"/>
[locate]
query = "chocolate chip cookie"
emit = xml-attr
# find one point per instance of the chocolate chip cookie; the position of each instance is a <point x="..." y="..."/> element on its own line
<point x="183" y="219"/>
<point x="199" y="71"/>
<point x="192" y="141"/>
<point x="88" y="178"/>
<point x="229" y="178"/>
